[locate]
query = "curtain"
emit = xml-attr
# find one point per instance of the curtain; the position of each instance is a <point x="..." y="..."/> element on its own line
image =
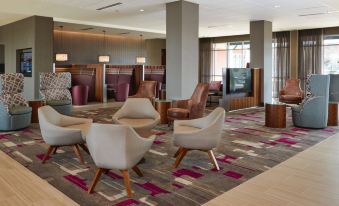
<point x="310" y="53"/>
<point x="205" y="59"/>
<point x="281" y="60"/>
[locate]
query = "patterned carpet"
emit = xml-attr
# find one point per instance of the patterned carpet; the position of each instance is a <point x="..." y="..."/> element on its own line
<point x="246" y="150"/>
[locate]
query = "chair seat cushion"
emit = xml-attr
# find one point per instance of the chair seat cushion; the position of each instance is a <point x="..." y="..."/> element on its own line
<point x="185" y="129"/>
<point x="290" y="97"/>
<point x="58" y="102"/>
<point x="83" y="127"/>
<point x="136" y="123"/>
<point x="20" y="110"/>
<point x="178" y="113"/>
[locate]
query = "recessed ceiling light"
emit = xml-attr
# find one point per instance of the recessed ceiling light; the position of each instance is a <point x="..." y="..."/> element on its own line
<point x="141" y="10"/>
<point x="276" y="6"/>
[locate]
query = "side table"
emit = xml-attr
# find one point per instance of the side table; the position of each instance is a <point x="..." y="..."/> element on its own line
<point x="162" y="106"/>
<point x="332" y="114"/>
<point x="275" y="115"/>
<point x="35" y="104"/>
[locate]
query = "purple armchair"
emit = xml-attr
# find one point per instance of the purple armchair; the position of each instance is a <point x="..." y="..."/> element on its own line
<point x="118" y="81"/>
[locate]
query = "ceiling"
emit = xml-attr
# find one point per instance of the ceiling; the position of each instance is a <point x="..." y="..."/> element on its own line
<point x="217" y="17"/>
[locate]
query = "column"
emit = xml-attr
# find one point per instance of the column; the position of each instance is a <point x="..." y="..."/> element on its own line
<point x="261" y="54"/>
<point x="182" y="45"/>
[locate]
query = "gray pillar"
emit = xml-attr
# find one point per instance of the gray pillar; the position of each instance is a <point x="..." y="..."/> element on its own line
<point x="182" y="49"/>
<point x="261" y="53"/>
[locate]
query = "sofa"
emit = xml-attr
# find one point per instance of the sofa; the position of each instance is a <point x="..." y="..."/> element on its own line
<point x="313" y="111"/>
<point x="14" y="110"/>
<point x="54" y="90"/>
<point x="119" y="82"/>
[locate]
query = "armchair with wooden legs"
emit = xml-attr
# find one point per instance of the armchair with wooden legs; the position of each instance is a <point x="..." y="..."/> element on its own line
<point x="201" y="134"/>
<point x="120" y="142"/>
<point x="60" y="130"/>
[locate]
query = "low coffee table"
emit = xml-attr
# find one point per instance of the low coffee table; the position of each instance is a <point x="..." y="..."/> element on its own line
<point x="275" y="115"/>
<point x="162" y="106"/>
<point x="35" y="104"/>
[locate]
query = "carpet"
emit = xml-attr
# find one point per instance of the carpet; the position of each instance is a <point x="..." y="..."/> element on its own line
<point x="246" y="150"/>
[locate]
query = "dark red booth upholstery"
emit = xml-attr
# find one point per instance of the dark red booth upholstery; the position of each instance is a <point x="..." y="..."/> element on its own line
<point x="119" y="80"/>
<point x="158" y="74"/>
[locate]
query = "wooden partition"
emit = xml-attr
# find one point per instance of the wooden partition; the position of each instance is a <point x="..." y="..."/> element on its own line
<point x="99" y="76"/>
<point x="233" y="102"/>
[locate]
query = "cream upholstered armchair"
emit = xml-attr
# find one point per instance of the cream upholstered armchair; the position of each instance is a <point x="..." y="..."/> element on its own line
<point x="59" y="130"/>
<point x="138" y="113"/>
<point x="199" y="134"/>
<point x="116" y="147"/>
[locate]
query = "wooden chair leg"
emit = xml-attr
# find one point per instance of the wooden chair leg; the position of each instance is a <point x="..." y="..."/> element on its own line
<point x="127" y="182"/>
<point x="95" y="180"/>
<point x="84" y="147"/>
<point x="55" y="150"/>
<point x="180" y="157"/>
<point x="78" y="153"/>
<point x="178" y="152"/>
<point x="137" y="170"/>
<point x="214" y="161"/>
<point x="49" y="151"/>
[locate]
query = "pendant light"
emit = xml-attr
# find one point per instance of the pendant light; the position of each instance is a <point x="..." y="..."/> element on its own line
<point x="140" y="59"/>
<point x="61" y="56"/>
<point x="104" y="58"/>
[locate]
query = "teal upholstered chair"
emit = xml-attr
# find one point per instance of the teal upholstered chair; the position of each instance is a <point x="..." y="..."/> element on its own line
<point x="334" y="88"/>
<point x="313" y="111"/>
<point x="14" y="111"/>
<point x="54" y="89"/>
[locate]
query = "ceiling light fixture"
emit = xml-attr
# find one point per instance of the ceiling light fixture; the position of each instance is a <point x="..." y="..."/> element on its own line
<point x="141" y="10"/>
<point x="140" y="59"/>
<point x="109" y="6"/>
<point x="276" y="6"/>
<point x="104" y="58"/>
<point x="61" y="56"/>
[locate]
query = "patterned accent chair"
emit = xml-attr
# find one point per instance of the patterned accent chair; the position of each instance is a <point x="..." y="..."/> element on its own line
<point x="291" y="93"/>
<point x="54" y="89"/>
<point x="313" y="111"/>
<point x="14" y="110"/>
<point x="191" y="108"/>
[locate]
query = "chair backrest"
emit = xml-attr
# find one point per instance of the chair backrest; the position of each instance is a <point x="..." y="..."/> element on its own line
<point x="215" y="122"/>
<point x="215" y="86"/>
<point x="138" y="108"/>
<point x="48" y="115"/>
<point x="317" y="85"/>
<point x="292" y="86"/>
<point x="118" y="141"/>
<point x="55" y="86"/>
<point x="334" y="88"/>
<point x="199" y="98"/>
<point x="11" y="88"/>
<point x="147" y="89"/>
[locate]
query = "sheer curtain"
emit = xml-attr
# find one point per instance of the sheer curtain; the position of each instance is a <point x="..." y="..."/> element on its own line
<point x="281" y="60"/>
<point x="205" y="59"/>
<point x="310" y="53"/>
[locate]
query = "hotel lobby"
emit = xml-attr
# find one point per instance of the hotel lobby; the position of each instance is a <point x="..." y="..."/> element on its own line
<point x="171" y="102"/>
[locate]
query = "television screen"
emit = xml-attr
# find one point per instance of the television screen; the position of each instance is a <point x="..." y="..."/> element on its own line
<point x="240" y="80"/>
<point x="24" y="62"/>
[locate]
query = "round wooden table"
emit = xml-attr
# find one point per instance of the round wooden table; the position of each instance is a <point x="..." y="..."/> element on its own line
<point x="275" y="115"/>
<point x="35" y="104"/>
<point x="162" y="106"/>
<point x="332" y="114"/>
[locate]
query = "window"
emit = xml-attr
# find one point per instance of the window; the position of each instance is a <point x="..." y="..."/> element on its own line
<point x="331" y="54"/>
<point x="231" y="55"/>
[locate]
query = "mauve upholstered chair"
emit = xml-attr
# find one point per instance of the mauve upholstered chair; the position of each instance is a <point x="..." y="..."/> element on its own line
<point x="59" y="130"/>
<point x="291" y="93"/>
<point x="116" y="147"/>
<point x="80" y="94"/>
<point x="191" y="108"/>
<point x="313" y="111"/>
<point x="201" y="134"/>
<point x="54" y="89"/>
<point x="14" y="110"/>
<point x="138" y="113"/>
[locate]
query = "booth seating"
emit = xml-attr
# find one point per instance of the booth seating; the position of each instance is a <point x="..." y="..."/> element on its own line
<point x="191" y="108"/>
<point x="14" y="110"/>
<point x="83" y="85"/>
<point x="313" y="111"/>
<point x="54" y="90"/>
<point x="291" y="93"/>
<point x="156" y="73"/>
<point x="119" y="81"/>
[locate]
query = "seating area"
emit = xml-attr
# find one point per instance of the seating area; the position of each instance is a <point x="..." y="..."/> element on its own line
<point x="164" y="103"/>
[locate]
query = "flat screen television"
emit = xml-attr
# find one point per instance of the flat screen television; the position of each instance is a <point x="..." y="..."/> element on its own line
<point x="24" y="62"/>
<point x="240" y="80"/>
